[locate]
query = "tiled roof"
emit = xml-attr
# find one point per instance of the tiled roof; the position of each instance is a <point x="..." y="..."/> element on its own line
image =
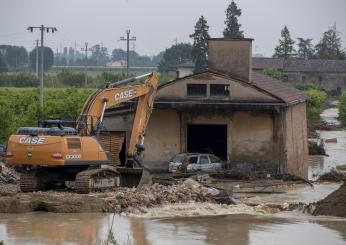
<point x="186" y="64"/>
<point x="332" y="66"/>
<point x="277" y="88"/>
<point x="298" y="65"/>
<point x="260" y="63"/>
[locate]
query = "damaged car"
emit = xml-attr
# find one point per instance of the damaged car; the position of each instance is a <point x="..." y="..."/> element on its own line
<point x="190" y="162"/>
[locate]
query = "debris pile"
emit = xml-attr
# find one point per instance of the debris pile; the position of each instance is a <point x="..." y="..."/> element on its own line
<point x="8" y="180"/>
<point x="333" y="176"/>
<point x="316" y="147"/>
<point x="126" y="199"/>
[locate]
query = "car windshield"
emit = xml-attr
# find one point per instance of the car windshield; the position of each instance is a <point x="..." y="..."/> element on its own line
<point x="178" y="158"/>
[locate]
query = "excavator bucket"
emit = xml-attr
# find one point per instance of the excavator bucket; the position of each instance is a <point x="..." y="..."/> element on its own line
<point x="134" y="177"/>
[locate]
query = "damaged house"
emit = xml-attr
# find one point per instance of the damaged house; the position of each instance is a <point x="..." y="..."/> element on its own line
<point x="251" y="121"/>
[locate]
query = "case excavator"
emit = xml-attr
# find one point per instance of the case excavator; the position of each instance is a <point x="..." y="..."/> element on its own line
<point x="50" y="156"/>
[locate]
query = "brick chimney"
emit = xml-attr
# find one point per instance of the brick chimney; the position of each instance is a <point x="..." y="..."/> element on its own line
<point x="232" y="56"/>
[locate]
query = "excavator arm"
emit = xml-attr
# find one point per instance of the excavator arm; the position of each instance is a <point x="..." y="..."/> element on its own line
<point x="90" y="120"/>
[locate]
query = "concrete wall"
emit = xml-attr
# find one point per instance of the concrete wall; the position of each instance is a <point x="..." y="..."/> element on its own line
<point x="239" y="91"/>
<point x="325" y="80"/>
<point x="231" y="56"/>
<point x="162" y="138"/>
<point x="296" y="140"/>
<point x="250" y="136"/>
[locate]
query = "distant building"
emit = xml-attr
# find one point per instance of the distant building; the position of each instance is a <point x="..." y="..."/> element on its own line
<point x="184" y="69"/>
<point x="253" y="122"/>
<point x="329" y="74"/>
<point x="117" y="64"/>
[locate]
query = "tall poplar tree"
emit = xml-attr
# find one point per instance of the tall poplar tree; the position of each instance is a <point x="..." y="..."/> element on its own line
<point x="329" y="46"/>
<point x="232" y="29"/>
<point x="200" y="44"/>
<point x="285" y="48"/>
<point x="305" y="48"/>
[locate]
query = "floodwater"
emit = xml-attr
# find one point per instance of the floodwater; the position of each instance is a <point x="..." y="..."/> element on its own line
<point x="286" y="228"/>
<point x="336" y="151"/>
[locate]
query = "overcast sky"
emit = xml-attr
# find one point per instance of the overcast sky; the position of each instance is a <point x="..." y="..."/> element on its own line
<point x="158" y="23"/>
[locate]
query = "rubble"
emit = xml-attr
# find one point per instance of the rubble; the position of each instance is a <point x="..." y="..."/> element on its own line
<point x="316" y="147"/>
<point x="8" y="175"/>
<point x="332" y="176"/>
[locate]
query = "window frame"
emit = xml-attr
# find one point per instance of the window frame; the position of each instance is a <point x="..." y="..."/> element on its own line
<point x="219" y="95"/>
<point x="196" y="84"/>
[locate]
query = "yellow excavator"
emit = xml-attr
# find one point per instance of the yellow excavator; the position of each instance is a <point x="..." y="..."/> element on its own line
<point x="52" y="155"/>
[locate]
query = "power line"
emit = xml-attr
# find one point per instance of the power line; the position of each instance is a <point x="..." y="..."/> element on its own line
<point x="42" y="28"/>
<point x="128" y="39"/>
<point x="37" y="42"/>
<point x="86" y="49"/>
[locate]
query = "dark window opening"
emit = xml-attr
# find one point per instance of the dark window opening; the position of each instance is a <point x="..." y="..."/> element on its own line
<point x="285" y="78"/>
<point x="219" y="90"/>
<point x="303" y="78"/>
<point x="196" y="90"/>
<point x="320" y="78"/>
<point x="204" y="138"/>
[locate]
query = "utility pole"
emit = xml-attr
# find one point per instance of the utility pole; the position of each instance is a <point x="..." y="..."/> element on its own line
<point x="37" y="42"/>
<point x="42" y="28"/>
<point x="86" y="63"/>
<point x="128" y="39"/>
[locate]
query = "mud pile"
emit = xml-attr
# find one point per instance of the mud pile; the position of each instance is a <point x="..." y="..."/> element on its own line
<point x="334" y="204"/>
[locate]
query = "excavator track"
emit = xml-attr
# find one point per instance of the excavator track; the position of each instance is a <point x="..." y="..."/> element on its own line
<point x="96" y="179"/>
<point x="29" y="181"/>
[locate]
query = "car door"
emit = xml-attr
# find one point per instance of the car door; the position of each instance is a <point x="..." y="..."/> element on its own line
<point x="204" y="163"/>
<point x="193" y="163"/>
<point x="216" y="163"/>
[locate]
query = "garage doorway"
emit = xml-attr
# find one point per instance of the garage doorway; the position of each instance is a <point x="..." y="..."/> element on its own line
<point x="207" y="138"/>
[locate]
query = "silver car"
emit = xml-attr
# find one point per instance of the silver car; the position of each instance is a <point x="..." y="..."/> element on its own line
<point x="189" y="162"/>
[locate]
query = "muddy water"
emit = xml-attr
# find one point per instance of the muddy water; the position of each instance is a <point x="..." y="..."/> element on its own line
<point x="336" y="151"/>
<point x="45" y="228"/>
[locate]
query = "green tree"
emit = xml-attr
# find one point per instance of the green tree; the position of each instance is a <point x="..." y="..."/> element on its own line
<point x="232" y="29"/>
<point x="3" y="65"/>
<point x="305" y="48"/>
<point x="329" y="46"/>
<point x="285" y="48"/>
<point x="175" y="55"/>
<point x="48" y="58"/>
<point x="272" y="72"/>
<point x="200" y="44"/>
<point x="157" y="58"/>
<point x="99" y="55"/>
<point x="15" y="57"/>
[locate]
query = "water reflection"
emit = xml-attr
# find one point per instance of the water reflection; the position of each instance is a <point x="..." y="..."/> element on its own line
<point x="45" y="228"/>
